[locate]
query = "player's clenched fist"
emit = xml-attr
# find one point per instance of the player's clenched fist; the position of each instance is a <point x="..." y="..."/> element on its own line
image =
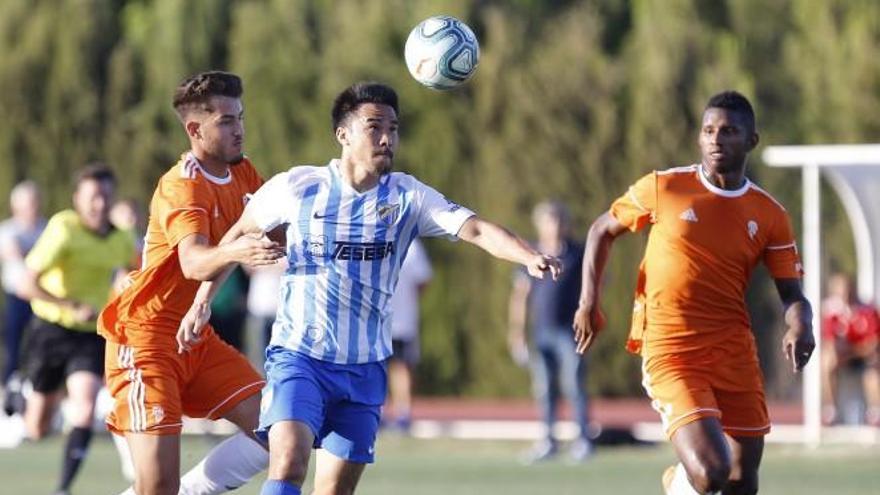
<point x="543" y="264"/>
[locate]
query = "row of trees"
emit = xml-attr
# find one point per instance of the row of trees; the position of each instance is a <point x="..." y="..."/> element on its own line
<point x="572" y="100"/>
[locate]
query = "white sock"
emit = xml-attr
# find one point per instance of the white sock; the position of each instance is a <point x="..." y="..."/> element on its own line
<point x="229" y="465"/>
<point x="124" y="458"/>
<point x="681" y="485"/>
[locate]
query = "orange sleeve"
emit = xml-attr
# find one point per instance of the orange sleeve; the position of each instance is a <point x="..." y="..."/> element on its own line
<point x="183" y="208"/>
<point x="780" y="253"/>
<point x="635" y="208"/>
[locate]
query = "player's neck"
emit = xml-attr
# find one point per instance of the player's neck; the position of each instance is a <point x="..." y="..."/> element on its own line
<point x="358" y="178"/>
<point x="729" y="181"/>
<point x="211" y="165"/>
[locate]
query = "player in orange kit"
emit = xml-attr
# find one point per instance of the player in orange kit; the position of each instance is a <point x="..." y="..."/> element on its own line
<point x="153" y="382"/>
<point x="710" y="226"/>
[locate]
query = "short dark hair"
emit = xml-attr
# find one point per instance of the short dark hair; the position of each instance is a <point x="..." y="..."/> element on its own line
<point x="96" y="171"/>
<point x="196" y="91"/>
<point x="359" y="93"/>
<point x="735" y="102"/>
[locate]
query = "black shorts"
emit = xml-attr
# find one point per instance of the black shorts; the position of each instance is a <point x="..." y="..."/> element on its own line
<point x="406" y="351"/>
<point x="53" y="352"/>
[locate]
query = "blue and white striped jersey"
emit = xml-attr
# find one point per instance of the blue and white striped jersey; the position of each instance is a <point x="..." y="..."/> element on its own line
<point x="345" y="249"/>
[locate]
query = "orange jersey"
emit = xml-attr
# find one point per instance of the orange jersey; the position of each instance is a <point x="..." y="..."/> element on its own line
<point x="702" y="248"/>
<point x="187" y="201"/>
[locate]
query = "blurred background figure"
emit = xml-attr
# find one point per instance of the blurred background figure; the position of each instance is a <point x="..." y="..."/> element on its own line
<point x="262" y="303"/>
<point x="547" y="308"/>
<point x="68" y="278"/>
<point x="850" y="331"/>
<point x="415" y="274"/>
<point x="128" y="215"/>
<point x="18" y="235"/>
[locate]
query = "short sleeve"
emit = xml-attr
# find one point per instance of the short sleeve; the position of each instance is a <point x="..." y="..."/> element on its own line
<point x="635" y="209"/>
<point x="269" y="206"/>
<point x="50" y="246"/>
<point x="780" y="253"/>
<point x="183" y="209"/>
<point x="438" y="216"/>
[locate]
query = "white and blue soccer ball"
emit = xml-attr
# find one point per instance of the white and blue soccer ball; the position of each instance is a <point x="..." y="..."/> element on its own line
<point x="442" y="52"/>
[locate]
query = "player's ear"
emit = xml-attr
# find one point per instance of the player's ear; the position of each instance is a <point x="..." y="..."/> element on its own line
<point x="753" y="140"/>
<point x="193" y="129"/>
<point x="342" y="135"/>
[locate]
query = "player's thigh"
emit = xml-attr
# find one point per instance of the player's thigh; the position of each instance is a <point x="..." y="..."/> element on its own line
<point x="680" y="392"/>
<point x="82" y="391"/>
<point x="290" y="446"/>
<point x="156" y="460"/>
<point x="220" y="378"/>
<point x="335" y="476"/>
<point x="746" y="453"/>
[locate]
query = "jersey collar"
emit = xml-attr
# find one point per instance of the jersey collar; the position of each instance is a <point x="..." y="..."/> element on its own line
<point x="191" y="160"/>
<point x="734" y="193"/>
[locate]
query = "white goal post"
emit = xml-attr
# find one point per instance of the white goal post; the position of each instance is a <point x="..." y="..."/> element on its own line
<point x="853" y="171"/>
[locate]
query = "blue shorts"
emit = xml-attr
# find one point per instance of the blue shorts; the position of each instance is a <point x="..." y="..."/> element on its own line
<point x="341" y="403"/>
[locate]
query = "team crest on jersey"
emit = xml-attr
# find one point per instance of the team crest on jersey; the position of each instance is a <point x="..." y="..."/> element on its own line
<point x="158" y="414"/>
<point x="316" y="245"/>
<point x="388" y="213"/>
<point x="753" y="228"/>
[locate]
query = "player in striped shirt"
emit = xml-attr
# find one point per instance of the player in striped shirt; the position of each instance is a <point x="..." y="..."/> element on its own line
<point x="710" y="226"/>
<point x="349" y="224"/>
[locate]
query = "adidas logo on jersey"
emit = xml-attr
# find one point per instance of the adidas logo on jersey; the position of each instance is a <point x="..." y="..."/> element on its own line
<point x="689" y="216"/>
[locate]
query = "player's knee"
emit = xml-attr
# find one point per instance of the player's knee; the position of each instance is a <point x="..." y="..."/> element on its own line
<point x="709" y="476"/>
<point x="291" y="465"/>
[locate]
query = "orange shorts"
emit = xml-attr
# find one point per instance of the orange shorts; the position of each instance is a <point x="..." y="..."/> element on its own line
<point x="722" y="381"/>
<point x="154" y="386"/>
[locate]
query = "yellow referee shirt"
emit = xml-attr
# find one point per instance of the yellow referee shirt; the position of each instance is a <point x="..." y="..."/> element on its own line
<point x="76" y="264"/>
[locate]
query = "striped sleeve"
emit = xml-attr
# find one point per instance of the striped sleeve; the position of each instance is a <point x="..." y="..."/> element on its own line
<point x="780" y="253"/>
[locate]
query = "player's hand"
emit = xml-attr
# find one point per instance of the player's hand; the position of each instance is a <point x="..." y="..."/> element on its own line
<point x="797" y="345"/>
<point x="542" y="263"/>
<point x="256" y="250"/>
<point x="588" y="322"/>
<point x="191" y="326"/>
<point x="83" y="313"/>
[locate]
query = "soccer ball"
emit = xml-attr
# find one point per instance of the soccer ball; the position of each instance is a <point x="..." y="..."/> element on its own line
<point x="442" y="52"/>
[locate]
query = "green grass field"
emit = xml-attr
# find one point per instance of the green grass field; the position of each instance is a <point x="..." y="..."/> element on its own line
<point x="480" y="467"/>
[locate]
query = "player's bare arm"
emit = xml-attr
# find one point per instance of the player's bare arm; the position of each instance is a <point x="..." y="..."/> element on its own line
<point x="244" y="230"/>
<point x="589" y="320"/>
<point x="199" y="260"/>
<point x="505" y="245"/>
<point x="29" y="288"/>
<point x="798" y="342"/>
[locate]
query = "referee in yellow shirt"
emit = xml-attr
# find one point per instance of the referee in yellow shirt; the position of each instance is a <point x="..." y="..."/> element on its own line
<point x="69" y="276"/>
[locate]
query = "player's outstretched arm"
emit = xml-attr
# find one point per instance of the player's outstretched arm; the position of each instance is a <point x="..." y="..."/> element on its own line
<point x="589" y="320"/>
<point x="246" y="232"/>
<point x="199" y="260"/>
<point x="798" y="342"/>
<point x="504" y="244"/>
